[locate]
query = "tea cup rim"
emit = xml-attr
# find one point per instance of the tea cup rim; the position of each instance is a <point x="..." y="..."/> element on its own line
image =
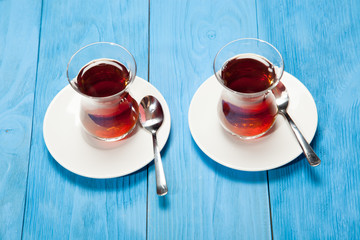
<point x="273" y="85"/>
<point x="131" y="78"/>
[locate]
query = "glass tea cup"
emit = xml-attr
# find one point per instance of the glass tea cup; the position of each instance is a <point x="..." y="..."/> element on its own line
<point x="102" y="73"/>
<point x="248" y="69"/>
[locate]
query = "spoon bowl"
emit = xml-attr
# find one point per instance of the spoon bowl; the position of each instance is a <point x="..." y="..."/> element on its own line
<point x="151" y="114"/>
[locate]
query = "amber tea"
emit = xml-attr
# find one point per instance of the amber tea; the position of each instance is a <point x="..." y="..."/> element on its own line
<point x="118" y="114"/>
<point x="248" y="73"/>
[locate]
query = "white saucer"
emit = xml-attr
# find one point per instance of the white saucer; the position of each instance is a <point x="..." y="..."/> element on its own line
<point x="275" y="149"/>
<point x="71" y="148"/>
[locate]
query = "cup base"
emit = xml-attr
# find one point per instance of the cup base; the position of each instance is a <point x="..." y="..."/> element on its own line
<point x="248" y="138"/>
<point x="106" y="143"/>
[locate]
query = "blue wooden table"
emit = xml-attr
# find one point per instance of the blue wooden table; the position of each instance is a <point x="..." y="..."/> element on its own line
<point x="174" y="44"/>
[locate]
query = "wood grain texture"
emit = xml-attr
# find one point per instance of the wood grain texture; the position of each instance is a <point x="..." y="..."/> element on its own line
<point x="319" y="42"/>
<point x="59" y="204"/>
<point x="205" y="199"/>
<point x="19" y="36"/>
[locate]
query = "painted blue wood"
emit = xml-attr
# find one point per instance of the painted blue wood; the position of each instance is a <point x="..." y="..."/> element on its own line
<point x="205" y="199"/>
<point x="319" y="42"/>
<point x="19" y="35"/>
<point x="60" y="204"/>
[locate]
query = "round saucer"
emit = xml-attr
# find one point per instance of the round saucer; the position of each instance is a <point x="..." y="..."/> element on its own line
<point x="275" y="149"/>
<point x="88" y="157"/>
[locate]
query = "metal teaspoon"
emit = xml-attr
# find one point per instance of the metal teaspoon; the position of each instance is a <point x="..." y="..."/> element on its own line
<point x="282" y="102"/>
<point x="151" y="118"/>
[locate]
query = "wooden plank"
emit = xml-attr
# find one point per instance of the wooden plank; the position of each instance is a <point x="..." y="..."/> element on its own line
<point x="205" y="199"/>
<point x="319" y="42"/>
<point x="60" y="204"/>
<point x="19" y="36"/>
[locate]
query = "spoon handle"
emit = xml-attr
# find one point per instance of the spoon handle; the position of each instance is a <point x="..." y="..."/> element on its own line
<point x="310" y="155"/>
<point x="161" y="187"/>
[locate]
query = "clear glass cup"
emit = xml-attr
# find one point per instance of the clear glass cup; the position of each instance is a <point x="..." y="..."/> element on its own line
<point x="248" y="69"/>
<point x="102" y="74"/>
